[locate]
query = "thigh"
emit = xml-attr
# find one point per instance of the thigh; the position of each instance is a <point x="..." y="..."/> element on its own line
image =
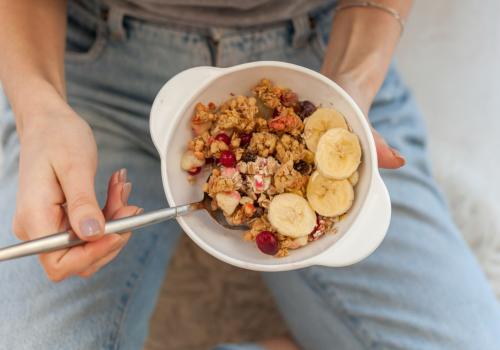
<point x="110" y="310"/>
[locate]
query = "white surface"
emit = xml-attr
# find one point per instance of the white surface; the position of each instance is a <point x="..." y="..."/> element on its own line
<point x="170" y="128"/>
<point x="450" y="57"/>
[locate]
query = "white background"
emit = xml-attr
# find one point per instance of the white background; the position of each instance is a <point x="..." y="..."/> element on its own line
<point x="450" y="57"/>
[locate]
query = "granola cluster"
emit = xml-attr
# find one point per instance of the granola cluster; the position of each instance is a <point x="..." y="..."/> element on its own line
<point x="255" y="147"/>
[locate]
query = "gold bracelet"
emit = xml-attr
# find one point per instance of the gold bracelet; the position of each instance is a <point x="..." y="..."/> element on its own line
<point x="375" y="5"/>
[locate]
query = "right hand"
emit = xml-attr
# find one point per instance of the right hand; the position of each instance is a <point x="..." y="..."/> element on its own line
<point x="57" y="166"/>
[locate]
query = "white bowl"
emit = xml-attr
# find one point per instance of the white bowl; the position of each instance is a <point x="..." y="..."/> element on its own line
<point x="358" y="235"/>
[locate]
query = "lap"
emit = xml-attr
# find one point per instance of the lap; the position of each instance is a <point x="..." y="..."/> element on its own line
<point x="421" y="289"/>
<point x="111" y="309"/>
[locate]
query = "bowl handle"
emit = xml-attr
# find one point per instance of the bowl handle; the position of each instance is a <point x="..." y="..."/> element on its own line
<point x="172" y="98"/>
<point x="366" y="233"/>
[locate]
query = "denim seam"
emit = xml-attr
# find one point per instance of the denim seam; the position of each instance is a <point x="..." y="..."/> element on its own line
<point x="172" y="44"/>
<point x="359" y="332"/>
<point x="82" y="15"/>
<point x="96" y="50"/>
<point x="135" y="282"/>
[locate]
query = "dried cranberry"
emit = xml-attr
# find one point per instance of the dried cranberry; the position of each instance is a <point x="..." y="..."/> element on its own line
<point x="317" y="225"/>
<point x="227" y="159"/>
<point x="302" y="167"/>
<point x="223" y="137"/>
<point x="289" y="99"/>
<point x="194" y="171"/>
<point x="209" y="160"/>
<point x="258" y="210"/>
<point x="306" y="109"/>
<point x="245" y="139"/>
<point x="248" y="157"/>
<point x="267" y="243"/>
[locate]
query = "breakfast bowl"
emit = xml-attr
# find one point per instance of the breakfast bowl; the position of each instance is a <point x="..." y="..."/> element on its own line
<point x="359" y="232"/>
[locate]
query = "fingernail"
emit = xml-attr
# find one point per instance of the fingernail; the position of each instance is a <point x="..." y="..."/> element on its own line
<point x="90" y="227"/>
<point x="398" y="155"/>
<point x="122" y="175"/>
<point x="139" y="211"/>
<point x="127" y="188"/>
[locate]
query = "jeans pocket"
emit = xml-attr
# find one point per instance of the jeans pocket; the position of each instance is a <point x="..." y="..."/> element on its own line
<point x="86" y="36"/>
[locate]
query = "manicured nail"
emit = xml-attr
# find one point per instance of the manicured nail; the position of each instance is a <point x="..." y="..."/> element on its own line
<point x="398" y="155"/>
<point x="139" y="211"/>
<point x="122" y="175"/>
<point x="127" y="188"/>
<point x="90" y="227"/>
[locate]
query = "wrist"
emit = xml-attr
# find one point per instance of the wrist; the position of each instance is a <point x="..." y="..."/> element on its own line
<point x="360" y="50"/>
<point x="366" y="77"/>
<point x="36" y="102"/>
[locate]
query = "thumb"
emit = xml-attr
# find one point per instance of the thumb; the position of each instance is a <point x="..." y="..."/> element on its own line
<point x="388" y="157"/>
<point x="85" y="216"/>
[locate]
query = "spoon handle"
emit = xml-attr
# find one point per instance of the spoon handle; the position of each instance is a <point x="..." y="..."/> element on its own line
<point x="68" y="238"/>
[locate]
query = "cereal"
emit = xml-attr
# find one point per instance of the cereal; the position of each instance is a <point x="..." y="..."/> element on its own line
<point x="257" y="151"/>
<point x="263" y="143"/>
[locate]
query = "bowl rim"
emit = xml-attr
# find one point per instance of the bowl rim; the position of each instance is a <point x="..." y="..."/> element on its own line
<point x="216" y="73"/>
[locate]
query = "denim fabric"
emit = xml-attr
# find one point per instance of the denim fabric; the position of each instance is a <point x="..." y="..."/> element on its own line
<point x="422" y="288"/>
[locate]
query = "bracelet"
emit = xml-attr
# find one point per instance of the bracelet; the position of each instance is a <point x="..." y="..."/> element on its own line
<point x="374" y="5"/>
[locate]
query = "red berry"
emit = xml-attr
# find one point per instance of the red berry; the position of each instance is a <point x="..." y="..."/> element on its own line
<point x="317" y="225"/>
<point x="245" y="139"/>
<point x="227" y="159"/>
<point x="289" y="99"/>
<point x="306" y="109"/>
<point x="223" y="137"/>
<point x="267" y="243"/>
<point x="194" y="171"/>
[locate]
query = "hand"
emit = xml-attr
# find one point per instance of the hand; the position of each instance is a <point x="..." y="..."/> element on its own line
<point x="57" y="166"/>
<point x="388" y="157"/>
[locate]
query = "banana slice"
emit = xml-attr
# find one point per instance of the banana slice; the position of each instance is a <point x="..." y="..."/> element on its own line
<point x="291" y="215"/>
<point x="354" y="178"/>
<point x="329" y="197"/>
<point x="319" y="122"/>
<point x="338" y="154"/>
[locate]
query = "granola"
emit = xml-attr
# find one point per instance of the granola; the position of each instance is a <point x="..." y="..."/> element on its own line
<point x="257" y="150"/>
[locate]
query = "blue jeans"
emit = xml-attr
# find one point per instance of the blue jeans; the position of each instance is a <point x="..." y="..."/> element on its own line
<point x="422" y="288"/>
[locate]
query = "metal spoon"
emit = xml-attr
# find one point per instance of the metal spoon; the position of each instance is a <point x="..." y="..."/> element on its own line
<point x="68" y="238"/>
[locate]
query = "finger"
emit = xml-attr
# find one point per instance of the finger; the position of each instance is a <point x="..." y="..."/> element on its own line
<point x="62" y="264"/>
<point x="388" y="157"/>
<point x="77" y="182"/>
<point x="89" y="272"/>
<point x="19" y="230"/>
<point x="76" y="259"/>
<point x="99" y="264"/>
<point x="123" y="212"/>
<point x="118" y="194"/>
<point x="38" y="212"/>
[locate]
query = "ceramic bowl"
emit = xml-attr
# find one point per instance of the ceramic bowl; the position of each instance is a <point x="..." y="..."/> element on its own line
<point x="358" y="234"/>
